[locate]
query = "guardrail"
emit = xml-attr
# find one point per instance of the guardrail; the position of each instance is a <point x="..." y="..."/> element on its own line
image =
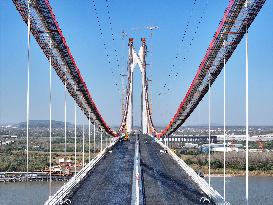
<point x="202" y="183"/>
<point x="137" y="197"/>
<point x="60" y="196"/>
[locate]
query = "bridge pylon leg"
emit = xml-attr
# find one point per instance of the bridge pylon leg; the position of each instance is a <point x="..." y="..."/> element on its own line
<point x="140" y="60"/>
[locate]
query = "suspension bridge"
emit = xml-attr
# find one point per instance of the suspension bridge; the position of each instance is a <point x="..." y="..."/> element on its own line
<point x="142" y="170"/>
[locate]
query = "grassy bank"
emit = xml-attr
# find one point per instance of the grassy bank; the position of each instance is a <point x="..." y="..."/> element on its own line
<point x="260" y="164"/>
<point x="15" y="161"/>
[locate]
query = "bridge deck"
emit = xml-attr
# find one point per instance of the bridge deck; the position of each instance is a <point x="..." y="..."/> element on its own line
<point x="110" y="182"/>
<point x="164" y="181"/>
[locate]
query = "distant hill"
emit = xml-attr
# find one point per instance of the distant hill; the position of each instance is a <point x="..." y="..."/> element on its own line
<point x="43" y="124"/>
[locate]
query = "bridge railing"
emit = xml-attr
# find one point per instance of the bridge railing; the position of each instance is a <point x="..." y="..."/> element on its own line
<point x="61" y="196"/>
<point x="202" y="183"/>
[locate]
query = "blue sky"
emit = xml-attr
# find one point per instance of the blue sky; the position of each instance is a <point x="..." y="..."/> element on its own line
<point x="77" y="20"/>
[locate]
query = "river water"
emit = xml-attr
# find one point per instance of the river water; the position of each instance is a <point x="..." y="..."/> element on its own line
<point x="33" y="193"/>
<point x="260" y="189"/>
<point x="21" y="193"/>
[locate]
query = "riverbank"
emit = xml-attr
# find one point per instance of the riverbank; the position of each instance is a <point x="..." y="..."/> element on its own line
<point x="241" y="174"/>
<point x="6" y="177"/>
<point x="260" y="191"/>
<point x="231" y="172"/>
<point x="260" y="164"/>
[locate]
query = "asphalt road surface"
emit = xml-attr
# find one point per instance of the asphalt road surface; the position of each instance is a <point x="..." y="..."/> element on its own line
<point x="110" y="182"/>
<point x="163" y="180"/>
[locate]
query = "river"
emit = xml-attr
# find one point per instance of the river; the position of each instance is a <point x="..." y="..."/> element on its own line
<point x="33" y="193"/>
<point x="260" y="189"/>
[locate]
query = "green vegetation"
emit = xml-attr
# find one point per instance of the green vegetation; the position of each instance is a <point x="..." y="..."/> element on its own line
<point x="16" y="161"/>
<point x="13" y="156"/>
<point x="259" y="162"/>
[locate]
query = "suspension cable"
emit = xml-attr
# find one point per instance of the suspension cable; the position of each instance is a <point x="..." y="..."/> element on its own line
<point x="182" y="41"/>
<point x="94" y="133"/>
<point x="201" y="19"/>
<point x="112" y="35"/>
<point x="150" y="72"/>
<point x="106" y="140"/>
<point x="100" y="140"/>
<point x="89" y="152"/>
<point x="209" y="127"/>
<point x="65" y="140"/>
<point x="104" y="43"/>
<point x="224" y="120"/>
<point x="28" y="71"/>
<point x="75" y="132"/>
<point x="50" y="127"/>
<point x="246" y="56"/>
<point x="83" y="144"/>
<point x="174" y="75"/>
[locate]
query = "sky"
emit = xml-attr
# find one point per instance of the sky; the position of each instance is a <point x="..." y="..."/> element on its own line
<point x="129" y="18"/>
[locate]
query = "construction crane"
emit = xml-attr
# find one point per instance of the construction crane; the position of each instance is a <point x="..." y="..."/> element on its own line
<point x="151" y="28"/>
<point x="145" y="27"/>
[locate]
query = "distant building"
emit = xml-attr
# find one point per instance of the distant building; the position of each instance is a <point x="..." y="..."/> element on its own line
<point x="7" y="142"/>
<point x="253" y="138"/>
<point x="258" y="150"/>
<point x="56" y="169"/>
<point x="191" y="145"/>
<point x="192" y="139"/>
<point x="62" y="161"/>
<point x="222" y="149"/>
<point x="13" y="136"/>
<point x="219" y="148"/>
